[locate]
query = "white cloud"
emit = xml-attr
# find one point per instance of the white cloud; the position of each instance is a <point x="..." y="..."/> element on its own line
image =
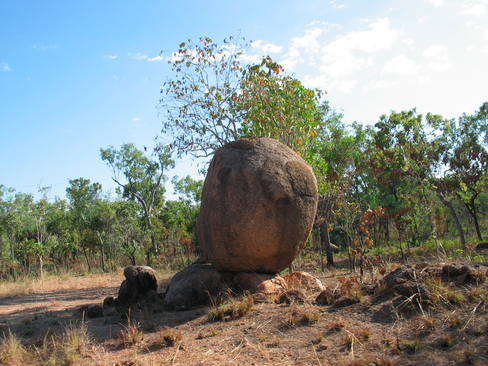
<point x="336" y="6"/>
<point x="423" y="19"/>
<point x="438" y="58"/>
<point x="344" y="86"/>
<point x="332" y="64"/>
<point x="378" y="84"/>
<point x="380" y="36"/>
<point x="436" y="3"/>
<point x="4" y="66"/>
<point x="138" y="56"/>
<point x="474" y="9"/>
<point x="266" y="48"/>
<point x="157" y="58"/>
<point x="44" y="48"/>
<point x="250" y="59"/>
<point x="309" y="40"/>
<point x="348" y="53"/>
<point x="110" y="56"/>
<point x="137" y="122"/>
<point x="400" y="65"/>
<point x="409" y="42"/>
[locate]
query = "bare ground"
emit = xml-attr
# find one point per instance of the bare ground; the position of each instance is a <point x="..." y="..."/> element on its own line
<point x="382" y="329"/>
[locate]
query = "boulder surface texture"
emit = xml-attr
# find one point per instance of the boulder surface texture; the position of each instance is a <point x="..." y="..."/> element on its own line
<point x="258" y="206"/>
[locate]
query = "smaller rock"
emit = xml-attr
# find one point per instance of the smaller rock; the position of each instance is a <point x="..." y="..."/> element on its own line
<point x="454" y="270"/>
<point x="194" y="285"/>
<point x="108" y="302"/>
<point x="303" y="281"/>
<point x="291" y="297"/>
<point x="411" y="288"/>
<point x="260" y="282"/>
<point x="111" y="312"/>
<point x="400" y="275"/>
<point x="95" y="311"/>
<point x="327" y="296"/>
<point x="128" y="293"/>
<point x="482" y="246"/>
<point x="344" y="301"/>
<point x="259" y="297"/>
<point x="86" y="311"/>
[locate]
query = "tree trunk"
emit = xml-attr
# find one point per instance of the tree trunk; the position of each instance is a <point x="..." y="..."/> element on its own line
<point x="471" y="206"/>
<point x="102" y="252"/>
<point x="324" y="234"/>
<point x="459" y="227"/>
<point x="40" y="266"/>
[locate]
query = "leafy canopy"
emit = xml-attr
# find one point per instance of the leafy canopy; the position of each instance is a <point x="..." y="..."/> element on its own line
<point x="215" y="99"/>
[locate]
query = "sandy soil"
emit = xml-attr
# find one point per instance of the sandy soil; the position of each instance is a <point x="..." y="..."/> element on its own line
<point x="384" y="329"/>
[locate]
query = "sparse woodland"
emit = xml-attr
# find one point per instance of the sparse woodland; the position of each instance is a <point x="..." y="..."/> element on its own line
<point x="405" y="181"/>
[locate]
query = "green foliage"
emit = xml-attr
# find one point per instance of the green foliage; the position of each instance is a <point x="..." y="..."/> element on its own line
<point x="214" y="99"/>
<point x="198" y="105"/>
<point x="144" y="179"/>
<point x="277" y="106"/>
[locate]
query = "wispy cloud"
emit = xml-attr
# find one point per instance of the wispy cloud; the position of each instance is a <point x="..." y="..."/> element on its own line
<point x="157" y="58"/>
<point x="334" y="62"/>
<point x="110" y="56"/>
<point x="436" y="3"/>
<point x="267" y="48"/>
<point x="400" y="65"/>
<point x="41" y="47"/>
<point x="474" y="9"/>
<point x="438" y="58"/>
<point x="4" y="66"/>
<point x="137" y="122"/>
<point x="337" y="6"/>
<point x="138" y="56"/>
<point x="378" y="84"/>
<point x="409" y="42"/>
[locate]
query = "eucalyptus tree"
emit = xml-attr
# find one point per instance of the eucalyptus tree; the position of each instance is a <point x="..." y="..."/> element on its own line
<point x="199" y="103"/>
<point x="180" y="217"/>
<point x="334" y="154"/>
<point x="401" y="161"/>
<point x="141" y="178"/>
<point x="215" y="98"/>
<point x="82" y="196"/>
<point x="467" y="161"/>
<point x="278" y="105"/>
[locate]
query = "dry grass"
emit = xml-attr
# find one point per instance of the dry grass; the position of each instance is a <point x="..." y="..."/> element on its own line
<point x="231" y="308"/>
<point x="12" y="352"/>
<point x="52" y="283"/>
<point x="67" y="282"/>
<point x="382" y="329"/>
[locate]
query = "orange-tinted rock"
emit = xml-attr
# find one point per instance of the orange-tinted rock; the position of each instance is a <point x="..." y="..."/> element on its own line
<point x="258" y="206"/>
<point x="260" y="283"/>
<point x="303" y="281"/>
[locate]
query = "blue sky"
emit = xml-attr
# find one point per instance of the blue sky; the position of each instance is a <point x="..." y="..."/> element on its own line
<point x="77" y="76"/>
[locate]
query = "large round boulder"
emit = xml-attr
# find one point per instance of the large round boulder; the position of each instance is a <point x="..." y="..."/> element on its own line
<point x="258" y="206"/>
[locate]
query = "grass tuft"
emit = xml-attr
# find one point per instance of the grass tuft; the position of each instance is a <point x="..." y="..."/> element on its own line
<point x="131" y="334"/>
<point x="169" y="337"/>
<point x="12" y="352"/>
<point x="231" y="309"/>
